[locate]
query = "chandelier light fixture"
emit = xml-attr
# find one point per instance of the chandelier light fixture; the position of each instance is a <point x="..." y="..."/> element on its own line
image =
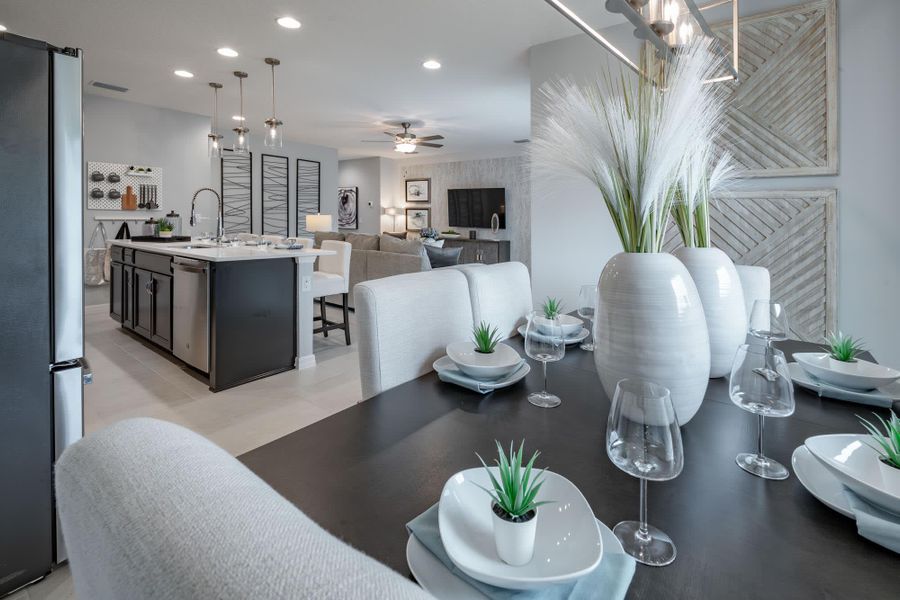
<point x="666" y="25"/>
<point x="214" y="139"/>
<point x="274" y="128"/>
<point x="242" y="139"/>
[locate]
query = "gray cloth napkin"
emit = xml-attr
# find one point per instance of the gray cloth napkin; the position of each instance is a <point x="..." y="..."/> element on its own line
<point x="875" y="523"/>
<point x="610" y="580"/>
<point x="482" y="387"/>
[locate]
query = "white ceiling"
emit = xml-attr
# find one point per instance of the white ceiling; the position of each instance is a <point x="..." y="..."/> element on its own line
<point x="352" y="65"/>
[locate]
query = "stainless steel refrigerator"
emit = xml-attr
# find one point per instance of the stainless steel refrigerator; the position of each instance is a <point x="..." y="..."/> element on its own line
<point x="42" y="367"/>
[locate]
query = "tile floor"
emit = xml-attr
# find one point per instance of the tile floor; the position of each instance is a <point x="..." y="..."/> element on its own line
<point x="131" y="379"/>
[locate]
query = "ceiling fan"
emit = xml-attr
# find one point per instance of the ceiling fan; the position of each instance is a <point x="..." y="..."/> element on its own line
<point x="406" y="142"/>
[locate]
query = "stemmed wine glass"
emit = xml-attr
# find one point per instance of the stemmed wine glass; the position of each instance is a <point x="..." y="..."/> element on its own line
<point x="753" y="388"/>
<point x="644" y="440"/>
<point x="587" y="305"/>
<point x="544" y="342"/>
<point x="768" y="321"/>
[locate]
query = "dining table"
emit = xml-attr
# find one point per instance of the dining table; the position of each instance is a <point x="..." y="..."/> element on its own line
<point x="365" y="472"/>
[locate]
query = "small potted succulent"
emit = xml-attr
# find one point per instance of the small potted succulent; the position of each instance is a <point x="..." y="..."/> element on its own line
<point x="514" y="503"/>
<point x="165" y="228"/>
<point x="484" y="357"/>
<point x="553" y="315"/>
<point x="485" y="338"/>
<point x="842" y="352"/>
<point x="888" y="450"/>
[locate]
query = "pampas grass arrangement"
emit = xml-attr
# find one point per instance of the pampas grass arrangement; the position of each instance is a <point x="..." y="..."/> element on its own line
<point x="633" y="137"/>
<point x="702" y="175"/>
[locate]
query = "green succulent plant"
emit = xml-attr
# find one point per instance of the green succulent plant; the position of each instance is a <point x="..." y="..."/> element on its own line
<point x="515" y="490"/>
<point x="889" y="441"/>
<point x="843" y="347"/>
<point x="485" y="337"/>
<point x="165" y="225"/>
<point x="552" y="307"/>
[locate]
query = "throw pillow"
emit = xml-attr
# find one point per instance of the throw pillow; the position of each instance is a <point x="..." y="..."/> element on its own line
<point x="389" y="244"/>
<point x="400" y="235"/>
<point x="328" y="235"/>
<point x="433" y="242"/>
<point x="361" y="241"/>
<point x="442" y="257"/>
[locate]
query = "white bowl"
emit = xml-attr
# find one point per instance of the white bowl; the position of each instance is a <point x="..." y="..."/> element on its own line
<point x="865" y="376"/>
<point x="826" y="488"/>
<point x="851" y="459"/>
<point x="570" y="325"/>
<point x="499" y="363"/>
<point x="567" y="545"/>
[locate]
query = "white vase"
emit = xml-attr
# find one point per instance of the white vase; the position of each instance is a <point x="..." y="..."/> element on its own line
<point x="514" y="541"/>
<point x="756" y="283"/>
<point x="722" y="297"/>
<point x="890" y="477"/>
<point x="650" y="325"/>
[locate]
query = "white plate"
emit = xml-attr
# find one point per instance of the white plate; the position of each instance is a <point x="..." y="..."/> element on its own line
<point x="882" y="398"/>
<point x="444" y="364"/>
<point x="868" y="376"/>
<point x="850" y="458"/>
<point x="568" y="543"/>
<point x="819" y="482"/>
<point x="484" y="367"/>
<point x="440" y="582"/>
<point x="575" y="339"/>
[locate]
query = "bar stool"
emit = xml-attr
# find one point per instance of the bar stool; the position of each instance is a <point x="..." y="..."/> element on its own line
<point x="333" y="277"/>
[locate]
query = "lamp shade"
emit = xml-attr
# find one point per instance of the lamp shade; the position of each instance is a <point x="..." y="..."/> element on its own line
<point x="318" y="223"/>
<point x="392" y="211"/>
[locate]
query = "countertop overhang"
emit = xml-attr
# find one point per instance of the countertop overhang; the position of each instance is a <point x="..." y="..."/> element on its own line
<point x="222" y="254"/>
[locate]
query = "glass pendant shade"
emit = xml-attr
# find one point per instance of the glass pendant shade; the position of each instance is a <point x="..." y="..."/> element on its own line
<point x="241" y="134"/>
<point x="214" y="140"/>
<point x="274" y="129"/>
<point x="214" y="145"/>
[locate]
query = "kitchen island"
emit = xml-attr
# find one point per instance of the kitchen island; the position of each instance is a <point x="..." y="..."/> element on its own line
<point x="235" y="314"/>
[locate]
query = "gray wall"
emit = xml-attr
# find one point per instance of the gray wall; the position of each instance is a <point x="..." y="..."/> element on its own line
<point x="572" y="236"/>
<point x="365" y="174"/>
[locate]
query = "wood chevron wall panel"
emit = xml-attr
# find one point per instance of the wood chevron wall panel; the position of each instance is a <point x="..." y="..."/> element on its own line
<point x="792" y="234"/>
<point x="783" y="115"/>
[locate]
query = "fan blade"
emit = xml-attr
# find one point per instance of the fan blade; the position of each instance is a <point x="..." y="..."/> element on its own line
<point x="377" y="141"/>
<point x="427" y="145"/>
<point x="429" y="138"/>
<point x="389" y="133"/>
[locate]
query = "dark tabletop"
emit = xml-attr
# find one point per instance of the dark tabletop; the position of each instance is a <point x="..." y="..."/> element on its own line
<point x="364" y="472"/>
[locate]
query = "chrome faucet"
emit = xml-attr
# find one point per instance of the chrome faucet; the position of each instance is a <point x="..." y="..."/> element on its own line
<point x="220" y="224"/>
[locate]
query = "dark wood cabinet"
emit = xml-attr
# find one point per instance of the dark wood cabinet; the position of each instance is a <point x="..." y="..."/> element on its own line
<point x="143" y="302"/>
<point x="489" y="252"/>
<point x="128" y="296"/>
<point x="116" y="291"/>
<point x="161" y="288"/>
<point x="140" y="298"/>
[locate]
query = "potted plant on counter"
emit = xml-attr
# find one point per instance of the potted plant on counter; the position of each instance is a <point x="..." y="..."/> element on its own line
<point x="888" y="450"/>
<point x="842" y="352"/>
<point x="514" y="503"/>
<point x="165" y="228"/>
<point x="630" y="136"/>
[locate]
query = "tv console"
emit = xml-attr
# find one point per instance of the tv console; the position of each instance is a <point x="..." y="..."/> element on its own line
<point x="480" y="251"/>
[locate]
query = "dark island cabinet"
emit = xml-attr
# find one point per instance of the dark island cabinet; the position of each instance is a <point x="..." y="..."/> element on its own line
<point x="140" y="298"/>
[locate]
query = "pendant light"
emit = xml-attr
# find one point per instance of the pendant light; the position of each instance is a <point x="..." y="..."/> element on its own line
<point x="273" y="125"/>
<point x="214" y="139"/>
<point x="242" y="139"/>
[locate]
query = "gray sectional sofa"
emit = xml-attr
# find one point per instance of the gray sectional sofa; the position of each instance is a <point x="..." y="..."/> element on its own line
<point x="378" y="256"/>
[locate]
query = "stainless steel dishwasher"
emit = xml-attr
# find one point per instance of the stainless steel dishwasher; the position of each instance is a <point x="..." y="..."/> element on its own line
<point x="190" y="319"/>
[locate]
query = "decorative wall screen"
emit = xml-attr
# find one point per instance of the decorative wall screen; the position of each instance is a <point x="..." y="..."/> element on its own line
<point x="274" y="195"/>
<point x="237" y="183"/>
<point x="793" y="235"/>
<point x="783" y="115"/>
<point x="309" y="191"/>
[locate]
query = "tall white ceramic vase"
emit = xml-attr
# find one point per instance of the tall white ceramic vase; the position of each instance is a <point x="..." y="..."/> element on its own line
<point x="650" y="324"/>
<point x="722" y="297"/>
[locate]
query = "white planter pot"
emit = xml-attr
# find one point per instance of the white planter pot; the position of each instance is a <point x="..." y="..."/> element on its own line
<point x="840" y="366"/>
<point x="890" y="477"/>
<point x="165" y="234"/>
<point x="514" y="541"/>
<point x="722" y="297"/>
<point x="650" y="325"/>
<point x="756" y="283"/>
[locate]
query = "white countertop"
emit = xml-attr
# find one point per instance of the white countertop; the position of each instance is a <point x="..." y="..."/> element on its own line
<point x="222" y="254"/>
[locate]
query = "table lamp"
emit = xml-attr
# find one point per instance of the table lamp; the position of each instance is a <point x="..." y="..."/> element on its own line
<point x="393" y="212"/>
<point x="318" y="222"/>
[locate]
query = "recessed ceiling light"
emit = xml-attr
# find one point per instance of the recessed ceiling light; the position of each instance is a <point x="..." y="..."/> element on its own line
<point x="227" y="52"/>
<point x="431" y="64"/>
<point x="183" y="73"/>
<point x="238" y="118"/>
<point x="2" y="27"/>
<point x="288" y="22"/>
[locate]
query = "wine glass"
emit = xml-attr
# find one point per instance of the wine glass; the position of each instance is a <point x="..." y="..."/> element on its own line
<point x="544" y="342"/>
<point x="644" y="440"/>
<point x="587" y="305"/>
<point x="768" y="321"/>
<point x="752" y="388"/>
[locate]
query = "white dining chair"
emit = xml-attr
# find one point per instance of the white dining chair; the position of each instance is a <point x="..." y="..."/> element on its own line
<point x="501" y="295"/>
<point x="332" y="278"/>
<point x="405" y="323"/>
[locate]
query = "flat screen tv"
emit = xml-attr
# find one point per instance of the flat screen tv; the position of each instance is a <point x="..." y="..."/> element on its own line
<point x="474" y="207"/>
